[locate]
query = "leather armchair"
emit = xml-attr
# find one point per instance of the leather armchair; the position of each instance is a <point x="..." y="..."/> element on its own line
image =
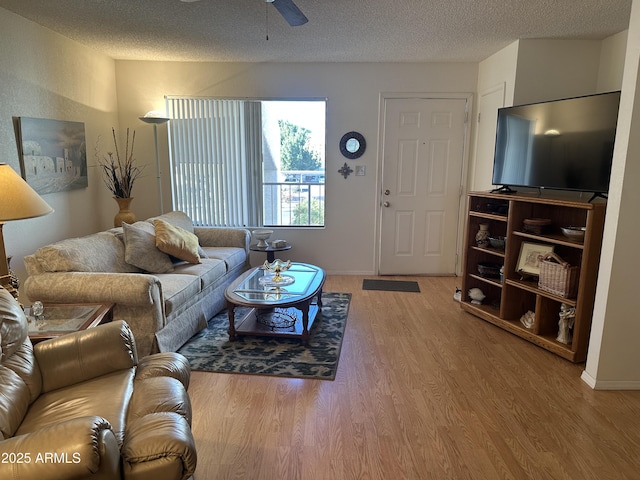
<point x="83" y="405"/>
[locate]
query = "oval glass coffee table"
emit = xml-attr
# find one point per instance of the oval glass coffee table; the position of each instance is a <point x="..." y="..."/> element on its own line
<point x="280" y="311"/>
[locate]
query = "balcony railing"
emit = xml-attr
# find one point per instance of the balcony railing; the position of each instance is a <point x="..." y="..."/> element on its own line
<point x="293" y="204"/>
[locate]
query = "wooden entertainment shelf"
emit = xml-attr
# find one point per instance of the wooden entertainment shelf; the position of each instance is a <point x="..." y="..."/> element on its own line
<point x="507" y="300"/>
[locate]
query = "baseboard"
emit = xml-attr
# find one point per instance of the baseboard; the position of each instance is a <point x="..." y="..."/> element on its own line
<point x="609" y="384"/>
<point x="355" y="272"/>
<point x="371" y="273"/>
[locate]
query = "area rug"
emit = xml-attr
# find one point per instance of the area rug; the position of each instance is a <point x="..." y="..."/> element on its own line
<point x="390" y="285"/>
<point x="211" y="351"/>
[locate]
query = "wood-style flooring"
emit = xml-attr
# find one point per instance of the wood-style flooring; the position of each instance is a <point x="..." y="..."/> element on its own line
<point x="423" y="391"/>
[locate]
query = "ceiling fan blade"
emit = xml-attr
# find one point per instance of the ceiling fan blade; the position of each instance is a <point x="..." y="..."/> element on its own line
<point x="290" y="12"/>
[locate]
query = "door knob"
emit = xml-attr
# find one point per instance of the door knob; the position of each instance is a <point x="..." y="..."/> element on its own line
<point x="387" y="192"/>
<point x="386" y="204"/>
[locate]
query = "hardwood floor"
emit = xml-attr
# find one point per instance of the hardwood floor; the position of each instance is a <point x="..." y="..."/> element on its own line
<point x="423" y="391"/>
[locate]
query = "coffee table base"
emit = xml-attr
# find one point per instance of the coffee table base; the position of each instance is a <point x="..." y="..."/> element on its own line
<point x="248" y="291"/>
<point x="249" y="324"/>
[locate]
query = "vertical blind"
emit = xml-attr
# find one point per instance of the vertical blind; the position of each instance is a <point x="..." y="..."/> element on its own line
<point x="215" y="147"/>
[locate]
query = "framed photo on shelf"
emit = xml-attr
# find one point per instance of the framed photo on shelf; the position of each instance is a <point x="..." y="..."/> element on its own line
<point x="528" y="261"/>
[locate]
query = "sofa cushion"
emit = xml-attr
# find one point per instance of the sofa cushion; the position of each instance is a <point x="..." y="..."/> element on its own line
<point x="140" y="250"/>
<point x="85" y="354"/>
<point x="13" y="325"/>
<point x="208" y="271"/>
<point x="20" y="380"/>
<point x="162" y="431"/>
<point x="231" y="256"/>
<point x="80" y="255"/>
<point x="80" y="400"/>
<point x="159" y="394"/>
<point x="16" y="350"/>
<point x="15" y="402"/>
<point x="178" y="290"/>
<point x="168" y="364"/>
<point x="176" y="241"/>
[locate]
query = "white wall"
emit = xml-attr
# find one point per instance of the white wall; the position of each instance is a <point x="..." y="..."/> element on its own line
<point x="552" y="69"/>
<point x="496" y="78"/>
<point x="347" y="243"/>
<point x="612" y="55"/>
<point x="500" y="68"/>
<point x="45" y="75"/>
<point x="614" y="355"/>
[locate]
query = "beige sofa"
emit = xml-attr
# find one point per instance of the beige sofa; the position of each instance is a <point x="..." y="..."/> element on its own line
<point x="164" y="300"/>
<point x="83" y="406"/>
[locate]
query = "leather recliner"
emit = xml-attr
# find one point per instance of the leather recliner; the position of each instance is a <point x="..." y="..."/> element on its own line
<point x="83" y="406"/>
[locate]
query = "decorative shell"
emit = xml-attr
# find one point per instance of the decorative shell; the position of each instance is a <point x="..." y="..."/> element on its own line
<point x="476" y="295"/>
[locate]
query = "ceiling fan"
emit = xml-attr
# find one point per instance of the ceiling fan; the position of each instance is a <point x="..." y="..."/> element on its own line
<point x="287" y="9"/>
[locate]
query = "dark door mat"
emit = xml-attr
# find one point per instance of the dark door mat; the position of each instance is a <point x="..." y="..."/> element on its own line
<point x="390" y="285"/>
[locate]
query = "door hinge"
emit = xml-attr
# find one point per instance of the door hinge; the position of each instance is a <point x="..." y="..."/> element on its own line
<point x="479" y="117"/>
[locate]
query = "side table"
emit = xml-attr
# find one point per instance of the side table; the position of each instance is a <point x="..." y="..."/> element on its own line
<point x="60" y="319"/>
<point x="269" y="250"/>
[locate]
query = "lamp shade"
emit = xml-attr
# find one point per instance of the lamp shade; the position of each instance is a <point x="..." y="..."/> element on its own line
<point x="154" y="117"/>
<point x="17" y="199"/>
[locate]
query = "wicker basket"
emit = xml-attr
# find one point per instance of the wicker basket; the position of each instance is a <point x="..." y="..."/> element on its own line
<point x="557" y="276"/>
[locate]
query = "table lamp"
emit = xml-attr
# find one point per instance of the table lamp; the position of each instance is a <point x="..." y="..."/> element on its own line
<point x="18" y="201"/>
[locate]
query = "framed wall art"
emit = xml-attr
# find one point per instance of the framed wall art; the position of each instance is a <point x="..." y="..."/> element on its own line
<point x="528" y="261"/>
<point x="53" y="154"/>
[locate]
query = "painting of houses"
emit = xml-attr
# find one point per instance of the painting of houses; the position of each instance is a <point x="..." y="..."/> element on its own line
<point x="53" y="154"/>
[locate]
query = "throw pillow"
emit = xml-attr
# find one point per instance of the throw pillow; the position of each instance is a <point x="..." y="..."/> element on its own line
<point x="140" y="250"/>
<point x="176" y="241"/>
<point x="79" y="255"/>
<point x="177" y="219"/>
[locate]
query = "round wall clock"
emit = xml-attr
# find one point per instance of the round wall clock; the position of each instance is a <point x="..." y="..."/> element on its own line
<point x="352" y="145"/>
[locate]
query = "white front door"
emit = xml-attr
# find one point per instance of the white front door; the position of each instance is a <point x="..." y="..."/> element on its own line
<point x="422" y="158"/>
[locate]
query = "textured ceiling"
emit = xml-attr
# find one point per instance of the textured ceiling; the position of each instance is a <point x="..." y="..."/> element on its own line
<point x="337" y="31"/>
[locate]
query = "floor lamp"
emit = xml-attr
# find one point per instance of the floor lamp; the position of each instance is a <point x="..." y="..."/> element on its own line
<point x="18" y="201"/>
<point x="152" y="119"/>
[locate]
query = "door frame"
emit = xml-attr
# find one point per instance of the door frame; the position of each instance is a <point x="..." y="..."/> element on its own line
<point x="497" y="88"/>
<point x="462" y="209"/>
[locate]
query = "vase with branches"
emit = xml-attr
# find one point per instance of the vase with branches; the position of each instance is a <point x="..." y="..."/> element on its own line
<point x="120" y="173"/>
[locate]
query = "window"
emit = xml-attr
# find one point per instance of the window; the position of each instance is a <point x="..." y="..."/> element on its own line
<point x="248" y="162"/>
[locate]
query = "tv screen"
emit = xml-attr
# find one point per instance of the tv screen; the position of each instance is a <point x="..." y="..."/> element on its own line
<point x="563" y="144"/>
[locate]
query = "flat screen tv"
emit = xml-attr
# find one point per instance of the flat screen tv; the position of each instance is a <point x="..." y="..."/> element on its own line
<point x="562" y="144"/>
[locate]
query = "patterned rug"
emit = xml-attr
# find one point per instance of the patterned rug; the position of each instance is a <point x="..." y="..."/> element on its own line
<point x="211" y="351"/>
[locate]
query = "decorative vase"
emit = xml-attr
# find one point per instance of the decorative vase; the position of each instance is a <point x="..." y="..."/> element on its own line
<point x="124" y="214"/>
<point x="482" y="237"/>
